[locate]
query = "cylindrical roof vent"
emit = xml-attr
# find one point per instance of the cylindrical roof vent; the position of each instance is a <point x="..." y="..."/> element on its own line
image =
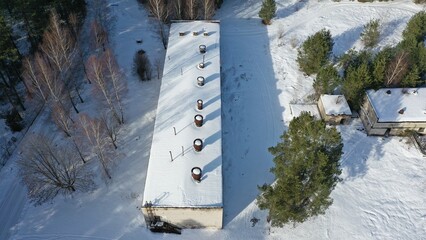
<point x="198" y="145"/>
<point x="196" y="173"/>
<point x="200" y="81"/>
<point x="181" y="34"/>
<point x="205" y="33"/>
<point x="202" y="48"/>
<point x="201" y="65"/>
<point x="195" y="33"/>
<point x="198" y="120"/>
<point x="200" y="104"/>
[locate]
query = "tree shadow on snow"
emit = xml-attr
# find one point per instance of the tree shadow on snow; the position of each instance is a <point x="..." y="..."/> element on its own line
<point x="284" y="12"/>
<point x="357" y="150"/>
<point x="388" y="28"/>
<point x="251" y="113"/>
<point x="345" y="41"/>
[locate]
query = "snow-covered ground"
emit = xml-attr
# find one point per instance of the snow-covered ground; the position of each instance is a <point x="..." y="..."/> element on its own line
<point x="383" y="192"/>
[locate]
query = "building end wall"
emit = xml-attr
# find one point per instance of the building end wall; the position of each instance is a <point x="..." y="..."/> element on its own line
<point x="188" y="217"/>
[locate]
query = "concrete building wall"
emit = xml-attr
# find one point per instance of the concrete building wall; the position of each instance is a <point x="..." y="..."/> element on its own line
<point x="189" y="217"/>
<point x="332" y="119"/>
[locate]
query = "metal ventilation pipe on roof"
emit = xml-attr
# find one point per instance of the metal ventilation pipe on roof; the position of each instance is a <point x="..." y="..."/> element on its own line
<point x="198" y="145"/>
<point x="196" y="173"/>
<point x="205" y="33"/>
<point x="200" y="81"/>
<point x="194" y="33"/>
<point x="200" y="104"/>
<point x="198" y="120"/>
<point x="202" y="48"/>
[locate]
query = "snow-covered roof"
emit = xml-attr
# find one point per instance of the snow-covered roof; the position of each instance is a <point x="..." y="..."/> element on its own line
<point x="335" y="105"/>
<point x="312" y="109"/>
<point x="169" y="183"/>
<point x="399" y="104"/>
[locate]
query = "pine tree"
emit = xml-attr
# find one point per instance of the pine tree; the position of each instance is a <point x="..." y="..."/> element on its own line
<point x="412" y="79"/>
<point x="371" y="34"/>
<point x="380" y="63"/>
<point x="315" y="52"/>
<point x="356" y="81"/>
<point x="416" y="28"/>
<point x="327" y="80"/>
<point x="306" y="168"/>
<point x="267" y="12"/>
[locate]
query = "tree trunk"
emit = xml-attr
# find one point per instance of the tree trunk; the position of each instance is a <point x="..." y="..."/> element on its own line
<point x="78" y="150"/>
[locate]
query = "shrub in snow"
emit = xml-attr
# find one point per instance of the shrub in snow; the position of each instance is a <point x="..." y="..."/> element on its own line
<point x="267" y="12"/>
<point x="142" y="66"/>
<point x="371" y="34"/>
<point x="306" y="168"/>
<point x="315" y="52"/>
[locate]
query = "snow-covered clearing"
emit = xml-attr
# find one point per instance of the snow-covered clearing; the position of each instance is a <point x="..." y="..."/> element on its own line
<point x="383" y="192"/>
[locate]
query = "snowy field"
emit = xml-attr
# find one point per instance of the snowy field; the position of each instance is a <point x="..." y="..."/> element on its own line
<point x="383" y="192"/>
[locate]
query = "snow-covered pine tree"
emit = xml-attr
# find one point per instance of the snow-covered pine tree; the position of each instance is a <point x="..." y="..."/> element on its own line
<point x="306" y="169"/>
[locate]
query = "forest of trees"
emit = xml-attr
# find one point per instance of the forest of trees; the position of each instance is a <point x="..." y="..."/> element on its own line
<point x="403" y="65"/>
<point x="50" y="52"/>
<point x="307" y="164"/>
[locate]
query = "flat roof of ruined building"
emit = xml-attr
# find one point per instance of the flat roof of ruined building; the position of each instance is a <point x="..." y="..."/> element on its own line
<point x="399" y="104"/>
<point x="169" y="182"/>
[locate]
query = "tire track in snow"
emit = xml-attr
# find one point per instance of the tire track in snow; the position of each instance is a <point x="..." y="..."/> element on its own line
<point x="58" y="236"/>
<point x="318" y="10"/>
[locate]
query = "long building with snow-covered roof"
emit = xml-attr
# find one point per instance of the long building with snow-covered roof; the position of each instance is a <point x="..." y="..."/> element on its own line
<point x="184" y="178"/>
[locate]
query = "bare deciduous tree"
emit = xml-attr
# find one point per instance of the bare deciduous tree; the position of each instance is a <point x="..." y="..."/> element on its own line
<point x="158" y="8"/>
<point x="117" y="81"/>
<point x="191" y="9"/>
<point x="208" y="8"/>
<point x="61" y="117"/>
<point x="48" y="77"/>
<point x="177" y="8"/>
<point x="98" y="36"/>
<point x="97" y="74"/>
<point x="30" y="76"/>
<point x="57" y="58"/>
<point x="397" y="69"/>
<point x="96" y="136"/>
<point x="48" y="170"/>
<point x="59" y="46"/>
<point x="111" y="128"/>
